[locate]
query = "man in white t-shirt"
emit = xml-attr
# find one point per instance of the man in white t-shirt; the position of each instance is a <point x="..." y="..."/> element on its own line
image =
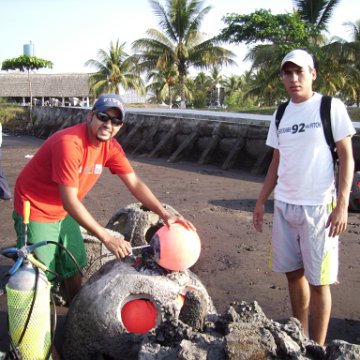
<point x="308" y="213"/>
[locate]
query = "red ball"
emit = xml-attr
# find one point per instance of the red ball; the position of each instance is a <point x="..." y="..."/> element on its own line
<point x="176" y="247"/>
<point x="139" y="316"/>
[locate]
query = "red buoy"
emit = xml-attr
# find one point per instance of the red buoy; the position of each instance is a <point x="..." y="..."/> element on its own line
<point x="176" y="247"/>
<point x="139" y="316"/>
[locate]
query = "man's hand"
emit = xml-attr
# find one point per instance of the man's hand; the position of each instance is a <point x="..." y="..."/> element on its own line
<point x="120" y="248"/>
<point x="337" y="221"/>
<point x="258" y="217"/>
<point x="180" y="220"/>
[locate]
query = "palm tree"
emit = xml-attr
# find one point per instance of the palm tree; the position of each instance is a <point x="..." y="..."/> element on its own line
<point x="350" y="56"/>
<point x="265" y="88"/>
<point x="180" y="41"/>
<point x="315" y="14"/>
<point x="162" y="84"/>
<point x="233" y="90"/>
<point x="203" y="86"/>
<point x="115" y="70"/>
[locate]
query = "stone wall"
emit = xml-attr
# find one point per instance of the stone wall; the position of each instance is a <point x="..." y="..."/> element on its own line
<point x="229" y="140"/>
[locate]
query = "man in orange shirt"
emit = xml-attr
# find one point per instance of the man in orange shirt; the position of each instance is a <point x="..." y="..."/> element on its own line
<point x="59" y="176"/>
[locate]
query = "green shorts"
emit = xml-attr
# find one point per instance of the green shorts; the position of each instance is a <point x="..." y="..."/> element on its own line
<point x="66" y="232"/>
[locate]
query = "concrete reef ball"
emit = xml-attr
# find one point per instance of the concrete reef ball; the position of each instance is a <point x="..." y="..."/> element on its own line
<point x="95" y="326"/>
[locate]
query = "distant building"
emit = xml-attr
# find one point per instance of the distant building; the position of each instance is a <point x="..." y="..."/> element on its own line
<point x="70" y="89"/>
<point x="132" y="97"/>
<point x="47" y="89"/>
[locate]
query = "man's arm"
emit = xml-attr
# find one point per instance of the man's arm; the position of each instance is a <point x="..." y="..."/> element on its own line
<point x="338" y="218"/>
<point x="141" y="191"/>
<point x="120" y="248"/>
<point x="267" y="188"/>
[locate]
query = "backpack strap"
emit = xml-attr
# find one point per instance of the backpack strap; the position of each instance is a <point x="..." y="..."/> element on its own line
<point x="325" y="110"/>
<point x="280" y="112"/>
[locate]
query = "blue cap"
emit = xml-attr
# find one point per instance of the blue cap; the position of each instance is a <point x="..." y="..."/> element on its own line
<point x="108" y="101"/>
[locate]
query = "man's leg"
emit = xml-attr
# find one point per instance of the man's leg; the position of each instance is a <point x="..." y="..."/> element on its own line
<point x="300" y="297"/>
<point x="320" y="309"/>
<point x="72" y="239"/>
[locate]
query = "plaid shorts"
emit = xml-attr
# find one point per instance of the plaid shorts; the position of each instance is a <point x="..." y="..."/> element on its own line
<point x="300" y="240"/>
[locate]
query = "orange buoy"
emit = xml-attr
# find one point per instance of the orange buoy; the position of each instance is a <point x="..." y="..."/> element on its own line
<point x="139" y="316"/>
<point x="175" y="247"/>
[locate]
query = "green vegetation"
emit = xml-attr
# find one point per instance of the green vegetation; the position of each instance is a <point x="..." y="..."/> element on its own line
<point x="179" y="44"/>
<point x="165" y="57"/>
<point x="161" y="62"/>
<point x="115" y="70"/>
<point x="13" y="117"/>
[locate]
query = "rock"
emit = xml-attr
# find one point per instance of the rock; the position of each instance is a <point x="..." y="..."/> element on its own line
<point x="342" y="350"/>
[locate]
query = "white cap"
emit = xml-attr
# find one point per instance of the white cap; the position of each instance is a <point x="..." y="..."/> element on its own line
<point x="298" y="57"/>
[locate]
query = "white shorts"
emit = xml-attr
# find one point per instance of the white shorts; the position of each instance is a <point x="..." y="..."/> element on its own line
<point x="300" y="240"/>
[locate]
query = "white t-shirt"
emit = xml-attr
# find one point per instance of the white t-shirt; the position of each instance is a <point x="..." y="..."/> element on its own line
<point x="306" y="173"/>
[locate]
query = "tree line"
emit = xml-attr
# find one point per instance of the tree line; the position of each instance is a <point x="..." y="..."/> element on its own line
<point x="159" y="63"/>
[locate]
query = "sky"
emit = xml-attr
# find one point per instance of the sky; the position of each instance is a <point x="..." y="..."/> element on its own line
<point x="70" y="32"/>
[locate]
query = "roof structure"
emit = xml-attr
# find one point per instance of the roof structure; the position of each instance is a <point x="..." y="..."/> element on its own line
<point x="44" y="85"/>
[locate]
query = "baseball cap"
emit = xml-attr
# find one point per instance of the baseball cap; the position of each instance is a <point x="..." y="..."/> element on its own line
<point x="298" y="57"/>
<point x="107" y="101"/>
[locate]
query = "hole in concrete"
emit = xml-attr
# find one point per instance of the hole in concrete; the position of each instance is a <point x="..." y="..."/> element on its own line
<point x="139" y="313"/>
<point x="119" y="223"/>
<point x="151" y="231"/>
<point x="143" y="208"/>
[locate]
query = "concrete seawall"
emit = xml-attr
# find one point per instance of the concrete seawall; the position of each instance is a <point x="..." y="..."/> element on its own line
<point x="229" y="140"/>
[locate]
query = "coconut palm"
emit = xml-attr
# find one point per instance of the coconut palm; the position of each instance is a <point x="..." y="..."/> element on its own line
<point x="350" y="56"/>
<point x="233" y="90"/>
<point x="162" y="84"/>
<point x="180" y="41"/>
<point x="115" y="70"/>
<point x="315" y="14"/>
<point x="264" y="87"/>
<point x="203" y="87"/>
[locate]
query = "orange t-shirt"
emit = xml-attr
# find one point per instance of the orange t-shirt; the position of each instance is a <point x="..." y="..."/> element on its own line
<point x="67" y="158"/>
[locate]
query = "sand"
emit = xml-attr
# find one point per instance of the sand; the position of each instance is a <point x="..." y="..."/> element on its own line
<point x="234" y="260"/>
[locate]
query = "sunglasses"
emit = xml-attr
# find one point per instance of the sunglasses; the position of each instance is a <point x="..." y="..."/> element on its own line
<point x="104" y="117"/>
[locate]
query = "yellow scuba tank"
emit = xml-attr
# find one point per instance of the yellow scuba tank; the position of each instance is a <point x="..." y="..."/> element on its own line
<point x="34" y="341"/>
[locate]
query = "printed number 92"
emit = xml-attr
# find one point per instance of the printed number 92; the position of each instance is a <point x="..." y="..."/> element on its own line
<point x="298" y="128"/>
